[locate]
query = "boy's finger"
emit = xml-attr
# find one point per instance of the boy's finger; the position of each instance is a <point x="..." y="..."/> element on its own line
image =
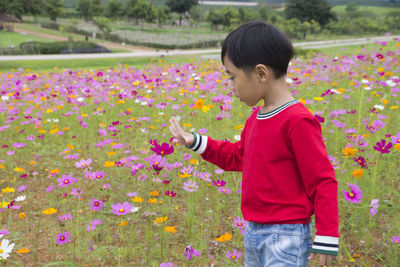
<point x="311" y="256"/>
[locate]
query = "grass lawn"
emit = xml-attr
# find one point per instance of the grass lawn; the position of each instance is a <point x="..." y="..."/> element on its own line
<point x="13" y="38"/>
<point x="378" y="11"/>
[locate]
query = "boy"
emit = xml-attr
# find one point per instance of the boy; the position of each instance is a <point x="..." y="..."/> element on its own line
<point x="286" y="173"/>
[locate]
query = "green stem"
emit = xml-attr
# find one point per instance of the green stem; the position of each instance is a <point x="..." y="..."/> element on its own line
<point x="359" y="110"/>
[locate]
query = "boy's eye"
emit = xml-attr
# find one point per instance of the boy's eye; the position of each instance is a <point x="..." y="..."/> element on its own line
<point x="231" y="78"/>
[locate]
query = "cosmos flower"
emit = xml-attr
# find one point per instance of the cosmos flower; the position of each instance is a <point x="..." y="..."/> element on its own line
<point x="190" y="252"/>
<point x="65" y="217"/>
<point x="96" y="204"/>
<point x="235" y="254"/>
<point x="373" y="208"/>
<point x="5" y="249"/>
<point x="163" y="149"/>
<point x="170" y="193"/>
<point x="190" y="186"/>
<point x="63" y="238"/>
<point x="355" y="195"/>
<point x="383" y="147"/>
<point x="361" y="161"/>
<point x="121" y="209"/>
<point x="239" y="222"/>
<point x="395" y="239"/>
<point x="66" y="180"/>
<point x="219" y="183"/>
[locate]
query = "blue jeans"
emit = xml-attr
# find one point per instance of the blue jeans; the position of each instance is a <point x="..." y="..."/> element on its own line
<point x="277" y="245"/>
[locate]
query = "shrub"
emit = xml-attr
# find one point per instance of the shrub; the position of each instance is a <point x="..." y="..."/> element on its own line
<point x="61" y="48"/>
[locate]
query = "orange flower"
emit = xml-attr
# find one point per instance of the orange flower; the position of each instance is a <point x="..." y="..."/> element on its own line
<point x="199" y="104"/>
<point x="160" y="219"/>
<point x="170" y="229"/>
<point x="349" y="151"/>
<point x="193" y="161"/>
<point x="152" y="200"/>
<point x="397" y="146"/>
<point x="137" y="199"/>
<point x="109" y="164"/>
<point x="49" y="211"/>
<point x="123" y="223"/>
<point x="225" y="237"/>
<point x="22" y="215"/>
<point x="154" y="193"/>
<point x="23" y="250"/>
<point x="358" y="173"/>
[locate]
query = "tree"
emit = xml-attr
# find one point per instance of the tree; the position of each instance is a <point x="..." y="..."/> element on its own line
<point x="196" y="14"/>
<point x="246" y="15"/>
<point x="230" y="16"/>
<point x="306" y="10"/>
<point x="351" y="7"/>
<point x="96" y="9"/>
<point x="114" y="9"/>
<point x="263" y="13"/>
<point x="162" y="15"/>
<point x="12" y="7"/>
<point x="54" y="9"/>
<point x="103" y="24"/>
<point x="181" y="6"/>
<point x="215" y="18"/>
<point x="84" y="9"/>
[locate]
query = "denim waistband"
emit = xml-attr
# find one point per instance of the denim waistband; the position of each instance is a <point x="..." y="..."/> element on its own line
<point x="294" y="229"/>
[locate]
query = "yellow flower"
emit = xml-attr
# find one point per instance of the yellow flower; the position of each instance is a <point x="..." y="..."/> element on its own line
<point x="170" y="229"/>
<point x="23" y="250"/>
<point x="239" y="126"/>
<point x="358" y="173"/>
<point x="17" y="169"/>
<point x="206" y="109"/>
<point x="185" y="175"/>
<point x="137" y="199"/>
<point x="225" y="237"/>
<point x="49" y="211"/>
<point x="349" y="151"/>
<point x="397" y="146"/>
<point x="152" y="200"/>
<point x="70" y="146"/>
<point x="111" y="153"/>
<point x="7" y="190"/>
<point x="5" y="204"/>
<point x="54" y="171"/>
<point x="161" y="219"/>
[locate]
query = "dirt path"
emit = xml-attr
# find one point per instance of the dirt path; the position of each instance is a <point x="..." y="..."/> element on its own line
<point x="107" y="44"/>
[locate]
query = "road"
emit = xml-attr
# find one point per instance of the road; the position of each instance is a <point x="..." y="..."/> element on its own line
<point x="207" y="52"/>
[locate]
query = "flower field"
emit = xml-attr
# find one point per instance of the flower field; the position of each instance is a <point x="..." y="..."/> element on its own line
<point x="90" y="176"/>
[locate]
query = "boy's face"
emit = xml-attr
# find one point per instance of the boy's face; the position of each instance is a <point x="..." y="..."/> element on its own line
<point x="244" y="85"/>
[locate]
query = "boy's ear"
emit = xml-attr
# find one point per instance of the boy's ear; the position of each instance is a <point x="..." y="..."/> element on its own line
<point x="262" y="72"/>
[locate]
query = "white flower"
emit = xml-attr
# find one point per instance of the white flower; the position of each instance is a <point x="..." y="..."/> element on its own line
<point x="5" y="249"/>
<point x="178" y="79"/>
<point x="5" y="97"/>
<point x="335" y="91"/>
<point x="79" y="99"/>
<point x="367" y="88"/>
<point x="20" y="198"/>
<point x="237" y="137"/>
<point x="55" y="120"/>
<point x="379" y="107"/>
<point x="390" y="83"/>
<point x="149" y="91"/>
<point x="161" y="113"/>
<point x="178" y="118"/>
<point x="289" y="81"/>
<point x="135" y="209"/>
<point x="364" y="81"/>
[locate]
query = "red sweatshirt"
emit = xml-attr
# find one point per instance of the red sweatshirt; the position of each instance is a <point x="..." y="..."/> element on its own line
<point x="286" y="173"/>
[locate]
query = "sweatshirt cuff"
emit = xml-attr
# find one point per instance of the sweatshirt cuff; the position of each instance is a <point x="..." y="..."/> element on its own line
<point x="199" y="143"/>
<point x="326" y="245"/>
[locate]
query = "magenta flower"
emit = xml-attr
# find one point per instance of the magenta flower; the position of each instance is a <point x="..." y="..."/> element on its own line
<point x="190" y="186"/>
<point x="121" y="209"/>
<point x="76" y="192"/>
<point x="190" y="252"/>
<point x="63" y="238"/>
<point x="19" y="145"/>
<point x="96" y="204"/>
<point x="234" y="255"/>
<point x="395" y="239"/>
<point x="361" y="161"/>
<point x="373" y="208"/>
<point x="355" y="194"/>
<point x="170" y="193"/>
<point x="219" y="183"/>
<point x="383" y="147"/>
<point x="66" y="180"/>
<point x="163" y="149"/>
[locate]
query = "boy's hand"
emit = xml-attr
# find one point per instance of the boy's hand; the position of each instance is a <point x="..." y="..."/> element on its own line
<point x="179" y="135"/>
<point x="324" y="259"/>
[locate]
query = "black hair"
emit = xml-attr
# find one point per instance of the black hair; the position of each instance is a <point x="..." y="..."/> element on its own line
<point x="257" y="42"/>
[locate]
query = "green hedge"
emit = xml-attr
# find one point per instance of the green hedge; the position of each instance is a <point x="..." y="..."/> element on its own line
<point x="29" y="48"/>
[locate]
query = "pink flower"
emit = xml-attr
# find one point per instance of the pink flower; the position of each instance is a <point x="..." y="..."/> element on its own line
<point x="96" y="204"/>
<point x="121" y="209"/>
<point x="63" y="238"/>
<point x="355" y="194"/>
<point x="234" y="255"/>
<point x="374" y="207"/>
<point x="190" y="252"/>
